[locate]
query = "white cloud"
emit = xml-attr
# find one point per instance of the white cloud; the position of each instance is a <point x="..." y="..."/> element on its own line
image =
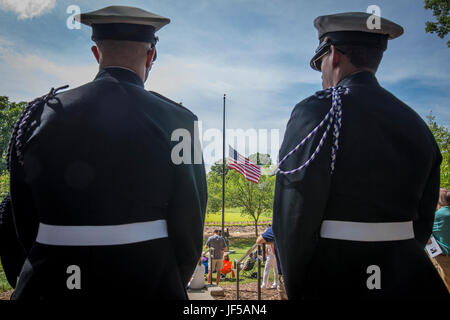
<point x="199" y="83"/>
<point x="27" y="9"/>
<point x="252" y="90"/>
<point x="215" y="75"/>
<point x="428" y="67"/>
<point x="29" y="75"/>
<point x="253" y="93"/>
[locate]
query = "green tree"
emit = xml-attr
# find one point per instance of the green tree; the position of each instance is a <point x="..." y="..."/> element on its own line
<point x="255" y="199"/>
<point x="260" y="159"/>
<point x="4" y="184"/>
<point x="216" y="168"/>
<point x="440" y="11"/>
<point x="214" y="181"/>
<point x="9" y="112"/>
<point x="442" y="136"/>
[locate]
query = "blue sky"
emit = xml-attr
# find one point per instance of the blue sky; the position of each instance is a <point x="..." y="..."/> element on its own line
<point x="255" y="51"/>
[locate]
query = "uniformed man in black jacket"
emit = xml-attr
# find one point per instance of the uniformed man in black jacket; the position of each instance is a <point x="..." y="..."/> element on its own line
<point x="101" y="206"/>
<point x="358" y="178"/>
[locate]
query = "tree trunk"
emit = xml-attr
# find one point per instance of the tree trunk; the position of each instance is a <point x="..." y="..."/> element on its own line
<point x="256" y="228"/>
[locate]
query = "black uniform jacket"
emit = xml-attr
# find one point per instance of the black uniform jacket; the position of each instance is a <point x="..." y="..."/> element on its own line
<point x="100" y="154"/>
<point x="387" y="170"/>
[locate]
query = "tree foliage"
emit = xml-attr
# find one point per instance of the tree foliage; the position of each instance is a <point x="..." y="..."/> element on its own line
<point x="214" y="181"/>
<point x="260" y="159"/>
<point x="442" y="136"/>
<point x="254" y="199"/>
<point x="4" y="184"/>
<point x="9" y="112"/>
<point x="441" y="10"/>
<point x="216" y="168"/>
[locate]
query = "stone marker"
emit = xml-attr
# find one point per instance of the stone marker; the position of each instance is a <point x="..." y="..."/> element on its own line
<point x="217" y="291"/>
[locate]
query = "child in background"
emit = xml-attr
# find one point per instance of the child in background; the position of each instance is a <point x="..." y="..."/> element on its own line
<point x="227" y="266"/>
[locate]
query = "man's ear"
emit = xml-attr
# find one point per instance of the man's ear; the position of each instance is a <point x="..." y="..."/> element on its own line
<point x="336" y="56"/>
<point x="94" y="50"/>
<point x="150" y="56"/>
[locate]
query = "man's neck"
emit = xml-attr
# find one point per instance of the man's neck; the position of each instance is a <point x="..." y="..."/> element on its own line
<point x="129" y="68"/>
<point x="342" y="75"/>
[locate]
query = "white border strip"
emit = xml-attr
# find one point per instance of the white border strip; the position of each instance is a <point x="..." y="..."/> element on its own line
<point x="101" y="235"/>
<point x="362" y="231"/>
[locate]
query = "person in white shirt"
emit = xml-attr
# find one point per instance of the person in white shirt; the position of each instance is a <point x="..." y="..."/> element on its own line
<point x="271" y="262"/>
<point x="198" y="278"/>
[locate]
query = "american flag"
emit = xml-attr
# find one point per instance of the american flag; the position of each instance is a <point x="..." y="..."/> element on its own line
<point x="241" y="164"/>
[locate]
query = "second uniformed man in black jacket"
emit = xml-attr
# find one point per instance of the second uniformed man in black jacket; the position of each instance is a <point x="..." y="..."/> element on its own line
<point x="99" y="205"/>
<point x="358" y="178"/>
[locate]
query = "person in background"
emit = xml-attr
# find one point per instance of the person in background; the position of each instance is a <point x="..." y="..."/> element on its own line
<point x="217" y="245"/>
<point x="441" y="232"/>
<point x="227" y="266"/>
<point x="268" y="237"/>
<point x="250" y="261"/>
<point x="198" y="278"/>
<point x="271" y="263"/>
<point x="205" y="261"/>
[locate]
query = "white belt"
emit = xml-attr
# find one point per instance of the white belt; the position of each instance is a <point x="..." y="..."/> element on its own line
<point x="362" y="231"/>
<point x="101" y="235"/>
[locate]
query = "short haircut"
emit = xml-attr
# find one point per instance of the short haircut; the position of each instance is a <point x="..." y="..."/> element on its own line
<point x="217" y="231"/>
<point x="362" y="56"/>
<point x="123" y="49"/>
<point x="444" y="198"/>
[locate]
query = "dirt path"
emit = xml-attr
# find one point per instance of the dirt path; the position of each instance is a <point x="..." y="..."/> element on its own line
<point x="247" y="291"/>
<point x="237" y="231"/>
<point x="6" y="295"/>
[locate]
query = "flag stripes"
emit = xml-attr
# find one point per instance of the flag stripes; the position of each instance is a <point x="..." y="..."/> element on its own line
<point x="243" y="165"/>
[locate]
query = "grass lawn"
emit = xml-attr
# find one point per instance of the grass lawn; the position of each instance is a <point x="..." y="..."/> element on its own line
<point x="238" y="245"/>
<point x="233" y="215"/>
<point x="4" y="285"/>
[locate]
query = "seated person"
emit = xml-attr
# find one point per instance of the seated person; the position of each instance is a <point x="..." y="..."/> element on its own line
<point x="198" y="278"/>
<point x="250" y="262"/>
<point x="205" y="262"/>
<point x="227" y="266"/>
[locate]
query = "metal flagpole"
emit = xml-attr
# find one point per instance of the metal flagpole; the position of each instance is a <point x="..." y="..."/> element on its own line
<point x="223" y="169"/>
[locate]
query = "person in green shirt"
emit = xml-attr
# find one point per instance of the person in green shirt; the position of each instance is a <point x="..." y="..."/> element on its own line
<point x="441" y="232"/>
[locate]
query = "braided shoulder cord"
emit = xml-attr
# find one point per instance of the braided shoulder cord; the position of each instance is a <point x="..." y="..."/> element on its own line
<point x="333" y="117"/>
<point x="22" y="126"/>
